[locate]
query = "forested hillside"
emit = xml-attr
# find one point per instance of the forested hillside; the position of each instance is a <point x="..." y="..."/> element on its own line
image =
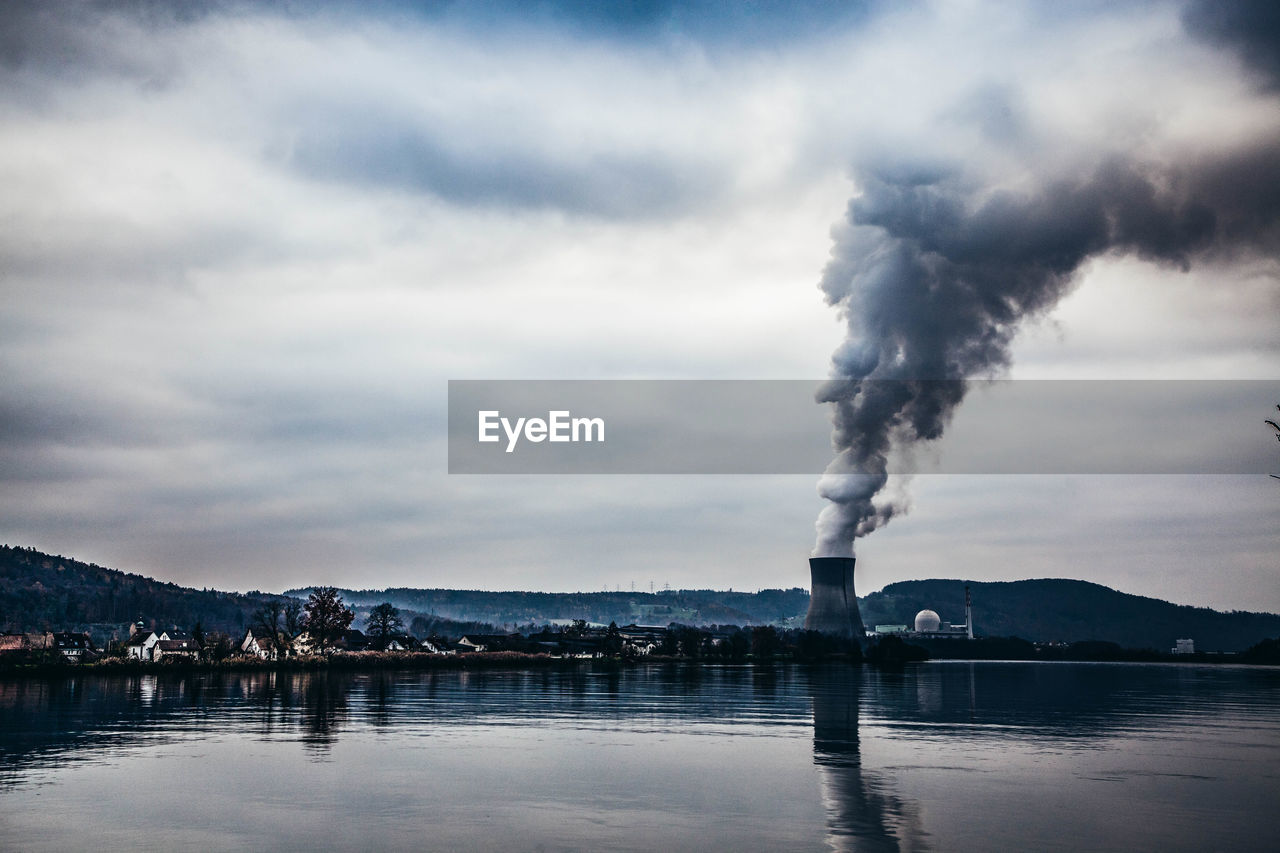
<point x="1070" y="611"/>
<point x="43" y="591"/>
<point x="705" y="607"/>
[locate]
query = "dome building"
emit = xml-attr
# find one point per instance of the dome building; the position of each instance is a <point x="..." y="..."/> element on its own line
<point x="928" y="622"/>
<point x="928" y="625"/>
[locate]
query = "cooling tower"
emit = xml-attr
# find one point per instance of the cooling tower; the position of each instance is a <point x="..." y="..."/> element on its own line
<point x="833" y="605"/>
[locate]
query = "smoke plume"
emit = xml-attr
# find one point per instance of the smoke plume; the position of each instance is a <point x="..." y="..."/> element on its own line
<point x="934" y="271"/>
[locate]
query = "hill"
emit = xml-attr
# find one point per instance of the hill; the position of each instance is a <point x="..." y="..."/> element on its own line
<point x="1049" y="610"/>
<point x="701" y="606"/>
<point x="41" y="591"/>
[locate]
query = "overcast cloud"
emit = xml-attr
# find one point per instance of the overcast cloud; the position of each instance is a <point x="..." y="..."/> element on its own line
<point x="244" y="250"/>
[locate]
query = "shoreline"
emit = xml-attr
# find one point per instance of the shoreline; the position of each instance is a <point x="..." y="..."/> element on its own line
<point x="521" y="661"/>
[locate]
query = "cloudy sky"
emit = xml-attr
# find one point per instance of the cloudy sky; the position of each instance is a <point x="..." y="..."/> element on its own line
<point x="245" y="248"/>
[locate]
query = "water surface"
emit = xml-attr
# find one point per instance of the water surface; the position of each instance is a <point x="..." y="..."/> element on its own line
<point x="946" y="756"/>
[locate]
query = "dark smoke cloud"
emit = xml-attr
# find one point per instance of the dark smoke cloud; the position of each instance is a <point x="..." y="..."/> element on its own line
<point x="935" y="273"/>
<point x="1250" y="27"/>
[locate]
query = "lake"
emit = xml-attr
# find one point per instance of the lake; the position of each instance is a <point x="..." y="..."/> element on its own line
<point x="945" y="756"/>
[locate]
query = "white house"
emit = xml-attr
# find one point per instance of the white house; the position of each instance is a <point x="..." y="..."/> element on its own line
<point x="142" y="642"/>
<point x="260" y="646"/>
<point x="438" y="646"/>
<point x="302" y="644"/>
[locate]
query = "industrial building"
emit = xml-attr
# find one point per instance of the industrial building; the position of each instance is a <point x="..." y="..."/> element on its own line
<point x="928" y="624"/>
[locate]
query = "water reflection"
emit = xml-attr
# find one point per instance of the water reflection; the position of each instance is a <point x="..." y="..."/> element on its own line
<point x="41" y="718"/>
<point x="946" y="755"/>
<point x="863" y="813"/>
<point x="976" y="700"/>
<point x="1058" y="701"/>
<point x="325" y="708"/>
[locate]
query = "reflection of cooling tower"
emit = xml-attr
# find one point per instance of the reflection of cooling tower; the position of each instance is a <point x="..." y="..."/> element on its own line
<point x="863" y="813"/>
<point x="833" y="605"/>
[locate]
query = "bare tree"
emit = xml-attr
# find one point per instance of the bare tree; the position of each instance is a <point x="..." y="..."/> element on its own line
<point x="327" y="617"/>
<point x="293" y="617"/>
<point x="267" y="619"/>
<point x="384" y="621"/>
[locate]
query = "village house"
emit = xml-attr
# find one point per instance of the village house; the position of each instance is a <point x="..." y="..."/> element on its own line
<point x="143" y="643"/>
<point x="182" y="648"/>
<point x="642" y="639"/>
<point x="394" y="643"/>
<point x="354" y="640"/>
<point x="261" y="646"/>
<point x="350" y="640"/>
<point x="26" y="642"/>
<point x="489" y="642"/>
<point x="438" y="645"/>
<point x="302" y="644"/>
<point x="75" y="647"/>
<point x="583" y="647"/>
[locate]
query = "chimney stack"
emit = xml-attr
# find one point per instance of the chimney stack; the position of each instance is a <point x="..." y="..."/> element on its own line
<point x="833" y="604"/>
<point x="968" y="612"/>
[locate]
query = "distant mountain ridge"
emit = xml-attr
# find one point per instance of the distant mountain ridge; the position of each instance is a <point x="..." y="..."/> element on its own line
<point x="514" y="607"/>
<point x="1043" y="610"/>
<point x="40" y="591"/>
<point x="1057" y="609"/>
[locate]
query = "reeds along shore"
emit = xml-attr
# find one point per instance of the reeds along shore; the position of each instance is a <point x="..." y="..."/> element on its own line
<point x="350" y="661"/>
